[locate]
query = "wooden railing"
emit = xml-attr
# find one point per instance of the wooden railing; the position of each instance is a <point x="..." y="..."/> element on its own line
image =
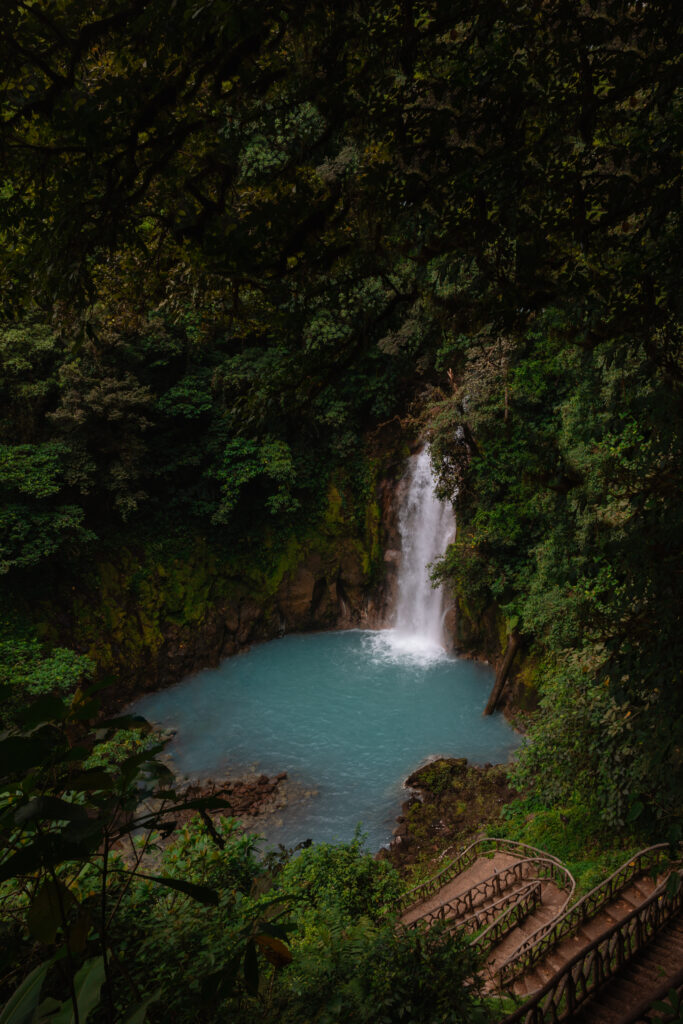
<point x="598" y="962"/>
<point x="538" y="944"/>
<point x="486" y="915"/>
<point x="527" y="900"/>
<point x="493" y="886"/>
<point x="465" y="859"/>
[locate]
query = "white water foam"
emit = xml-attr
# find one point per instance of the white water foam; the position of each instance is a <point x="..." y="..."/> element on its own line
<point x="426" y="526"/>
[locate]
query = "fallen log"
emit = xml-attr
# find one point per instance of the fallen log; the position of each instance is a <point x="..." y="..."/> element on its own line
<point x="503" y="673"/>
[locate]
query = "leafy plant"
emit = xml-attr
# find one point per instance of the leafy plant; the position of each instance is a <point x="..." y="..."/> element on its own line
<point x="64" y="875"/>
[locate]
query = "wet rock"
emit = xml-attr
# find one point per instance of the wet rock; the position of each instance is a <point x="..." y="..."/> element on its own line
<point x="295" y="602"/>
<point x="351" y="569"/>
<point x="450" y="628"/>
<point x="231" y="618"/>
<point x="456" y="800"/>
<point x="250" y="613"/>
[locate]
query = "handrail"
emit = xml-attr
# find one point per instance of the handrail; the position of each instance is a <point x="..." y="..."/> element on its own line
<point x="485" y="914"/>
<point x="540" y="942"/>
<point x="602" y="959"/>
<point x="492" y="885"/>
<point x="528" y="899"/>
<point x="464" y="860"/>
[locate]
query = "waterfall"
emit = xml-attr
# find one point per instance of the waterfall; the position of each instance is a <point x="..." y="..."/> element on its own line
<point x="426" y="526"/>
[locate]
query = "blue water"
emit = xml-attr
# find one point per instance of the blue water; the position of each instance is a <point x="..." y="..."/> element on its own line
<point x="345" y="715"/>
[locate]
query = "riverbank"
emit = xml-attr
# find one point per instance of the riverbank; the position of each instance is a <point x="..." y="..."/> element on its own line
<point x="451" y="801"/>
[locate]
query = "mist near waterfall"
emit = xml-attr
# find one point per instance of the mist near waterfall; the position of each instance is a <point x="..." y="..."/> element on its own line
<point x="426" y="527"/>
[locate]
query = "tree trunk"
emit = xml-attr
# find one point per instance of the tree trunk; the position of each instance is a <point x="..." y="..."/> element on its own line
<point x="503" y="672"/>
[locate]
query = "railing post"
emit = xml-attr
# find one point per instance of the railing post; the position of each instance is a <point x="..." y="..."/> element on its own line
<point x="571" y="993"/>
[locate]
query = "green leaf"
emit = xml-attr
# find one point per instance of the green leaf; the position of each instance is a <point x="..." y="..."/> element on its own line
<point x="79" y="931"/>
<point x="21" y="1007"/>
<point x="91" y="780"/>
<point x="87" y="985"/>
<point x="125" y="722"/>
<point x="46" y="850"/>
<point x="48" y="1006"/>
<point x="635" y="810"/>
<point x="201" y="893"/>
<point x="273" y="949"/>
<point x="251" y="972"/>
<point x="27" y="859"/>
<point x="52" y="808"/>
<point x="18" y="753"/>
<point x="673" y="884"/>
<point x="44" y="709"/>
<point x="219" y="984"/>
<point x="138" y="1014"/>
<point x="45" y="913"/>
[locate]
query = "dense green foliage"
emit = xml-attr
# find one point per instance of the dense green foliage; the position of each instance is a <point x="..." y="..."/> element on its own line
<point x="571" y="521"/>
<point x="236" y="238"/>
<point x="115" y="921"/>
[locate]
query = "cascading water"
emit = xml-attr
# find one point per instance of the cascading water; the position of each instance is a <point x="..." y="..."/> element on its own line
<point x="426" y="526"/>
<point x="347" y="714"/>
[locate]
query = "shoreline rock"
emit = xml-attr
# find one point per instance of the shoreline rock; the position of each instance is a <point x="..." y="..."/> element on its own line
<point x="450" y="800"/>
<point x="249" y="797"/>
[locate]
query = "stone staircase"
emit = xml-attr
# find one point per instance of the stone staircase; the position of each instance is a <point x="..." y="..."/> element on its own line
<point x="628" y="899"/>
<point x="605" y="954"/>
<point x="463" y="882"/>
<point x="493" y="879"/>
<point x="588" y="963"/>
<point x="646" y="978"/>
<point x="479" y="896"/>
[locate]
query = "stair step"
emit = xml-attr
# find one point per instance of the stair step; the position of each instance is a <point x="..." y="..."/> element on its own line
<point x="592" y="929"/>
<point x="537" y="978"/>
<point x="555" y="962"/>
<point x="623" y="906"/>
<point x="597" y="1011"/>
<point x="654" y="971"/>
<point x="545" y="914"/>
<point x="524" y="986"/>
<point x="662" y="950"/>
<point x="627" y="985"/>
<point x="632" y="902"/>
<point x="650" y="972"/>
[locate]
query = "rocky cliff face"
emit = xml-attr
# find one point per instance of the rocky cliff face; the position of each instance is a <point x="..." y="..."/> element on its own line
<point x="149" y="616"/>
<point x="152" y="635"/>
